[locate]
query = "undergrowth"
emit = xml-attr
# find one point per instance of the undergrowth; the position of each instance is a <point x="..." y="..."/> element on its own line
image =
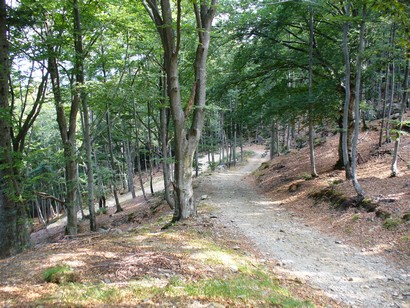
<point x="214" y="273"/>
<point x="60" y="274"/>
<point x="339" y="201"/>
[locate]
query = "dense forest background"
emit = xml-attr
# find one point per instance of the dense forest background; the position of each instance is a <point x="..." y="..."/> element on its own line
<point x="88" y="94"/>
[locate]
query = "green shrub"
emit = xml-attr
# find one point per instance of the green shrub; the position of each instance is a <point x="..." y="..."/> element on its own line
<point x="102" y="210"/>
<point x="59" y="274"/>
<point x="391" y="223"/>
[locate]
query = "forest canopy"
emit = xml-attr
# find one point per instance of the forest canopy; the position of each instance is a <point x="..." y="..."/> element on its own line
<point x="95" y="93"/>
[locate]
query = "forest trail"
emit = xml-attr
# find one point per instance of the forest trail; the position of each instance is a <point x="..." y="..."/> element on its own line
<point x="344" y="273"/>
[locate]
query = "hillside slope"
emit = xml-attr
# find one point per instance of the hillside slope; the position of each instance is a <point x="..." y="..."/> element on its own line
<point x="384" y="231"/>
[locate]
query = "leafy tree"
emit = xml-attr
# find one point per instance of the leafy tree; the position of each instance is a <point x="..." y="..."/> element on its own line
<point x="13" y="217"/>
<point x="186" y="140"/>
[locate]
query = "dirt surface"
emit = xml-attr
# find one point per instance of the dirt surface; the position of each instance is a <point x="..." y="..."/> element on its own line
<point x="262" y="209"/>
<point x="346" y="273"/>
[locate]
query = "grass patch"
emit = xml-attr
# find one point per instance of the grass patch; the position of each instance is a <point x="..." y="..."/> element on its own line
<point x="391" y="223"/>
<point x="336" y="182"/>
<point x="102" y="210"/>
<point x="248" y="153"/>
<point x="60" y="274"/>
<point x="257" y="288"/>
<point x="306" y="176"/>
<point x="330" y="195"/>
<point x="405" y="238"/>
<point x="340" y="201"/>
<point x="355" y="217"/>
<point x="242" y="289"/>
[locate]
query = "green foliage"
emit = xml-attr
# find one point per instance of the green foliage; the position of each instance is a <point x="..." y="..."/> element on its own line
<point x="213" y="165"/>
<point x="249" y="288"/>
<point x="330" y="195"/>
<point x="102" y="211"/>
<point x="391" y="223"/>
<point x="355" y="217"/>
<point x="60" y="274"/>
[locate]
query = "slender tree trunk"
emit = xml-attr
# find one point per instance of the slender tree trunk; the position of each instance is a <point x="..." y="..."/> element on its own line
<point x="359" y="190"/>
<point x="345" y="137"/>
<point x="394" y="169"/>
<point x="164" y="121"/>
<point x="80" y="92"/>
<point x="112" y="162"/>
<point x="68" y="137"/>
<point x="313" y="172"/>
<point x="234" y="144"/>
<point x="101" y="190"/>
<point x="272" y="139"/>
<point x="384" y="105"/>
<point x="13" y="217"/>
<point x="138" y="159"/>
<point x="393" y="75"/>
<point x="150" y="154"/>
<point x="130" y="169"/>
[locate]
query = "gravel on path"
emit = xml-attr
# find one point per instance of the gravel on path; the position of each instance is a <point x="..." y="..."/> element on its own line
<point x="344" y="273"/>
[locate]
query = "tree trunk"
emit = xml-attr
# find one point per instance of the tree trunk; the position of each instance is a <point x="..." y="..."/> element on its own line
<point x="68" y="137"/>
<point x="164" y="123"/>
<point x="130" y="169"/>
<point x="357" y="187"/>
<point x="393" y="75"/>
<point x="398" y="132"/>
<point x="186" y="140"/>
<point x="80" y="92"/>
<point x="112" y="162"/>
<point x="384" y="105"/>
<point x="347" y="103"/>
<point x="313" y="172"/>
<point x="13" y="217"/>
<point x="150" y="153"/>
<point x="234" y="144"/>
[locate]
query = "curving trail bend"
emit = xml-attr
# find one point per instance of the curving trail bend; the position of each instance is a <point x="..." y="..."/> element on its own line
<point x="344" y="273"/>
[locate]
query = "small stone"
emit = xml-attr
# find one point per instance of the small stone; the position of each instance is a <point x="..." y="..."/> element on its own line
<point x="203" y="197"/>
<point x="102" y="230"/>
<point x="234" y="268"/>
<point x="281" y="230"/>
<point x="213" y="216"/>
<point x="338" y="242"/>
<point x="236" y="248"/>
<point x="350" y="279"/>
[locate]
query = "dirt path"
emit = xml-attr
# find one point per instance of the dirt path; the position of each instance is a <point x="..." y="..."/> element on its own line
<point x="344" y="273"/>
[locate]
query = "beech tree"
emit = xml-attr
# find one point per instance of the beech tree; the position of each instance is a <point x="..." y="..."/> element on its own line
<point x="13" y="217"/>
<point x="168" y="23"/>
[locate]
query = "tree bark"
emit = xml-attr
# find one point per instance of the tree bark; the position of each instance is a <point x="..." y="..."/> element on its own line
<point x="164" y="124"/>
<point x="130" y="168"/>
<point x="347" y="103"/>
<point x="357" y="187"/>
<point x="393" y="75"/>
<point x="68" y="137"/>
<point x="81" y="95"/>
<point x="112" y="162"/>
<point x="186" y="140"/>
<point x="394" y="169"/>
<point x="313" y="172"/>
<point x="13" y="217"/>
